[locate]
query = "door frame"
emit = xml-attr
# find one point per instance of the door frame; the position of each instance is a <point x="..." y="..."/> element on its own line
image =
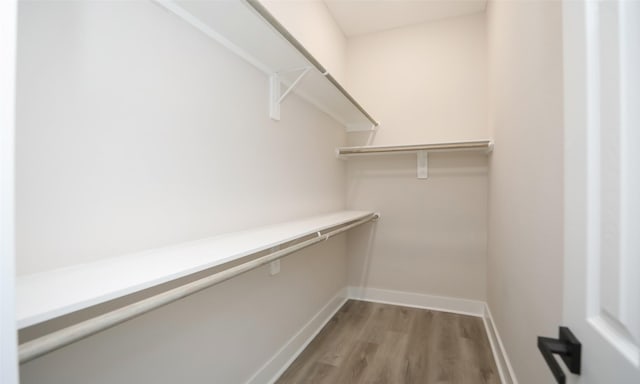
<point x="8" y="339"/>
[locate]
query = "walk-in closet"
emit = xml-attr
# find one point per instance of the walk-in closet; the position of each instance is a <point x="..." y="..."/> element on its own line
<point x="319" y="191"/>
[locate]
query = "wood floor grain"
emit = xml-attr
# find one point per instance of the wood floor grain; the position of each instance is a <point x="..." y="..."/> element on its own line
<point x="376" y="343"/>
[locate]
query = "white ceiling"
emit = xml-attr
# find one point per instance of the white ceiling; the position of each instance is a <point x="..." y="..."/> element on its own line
<point x="357" y="17"/>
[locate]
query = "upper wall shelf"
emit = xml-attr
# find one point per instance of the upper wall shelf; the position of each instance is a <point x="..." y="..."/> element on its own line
<point x="421" y="150"/>
<point x="46" y="295"/>
<point x="249" y="30"/>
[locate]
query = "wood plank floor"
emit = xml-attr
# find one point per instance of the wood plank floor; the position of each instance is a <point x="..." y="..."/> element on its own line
<point x="380" y="343"/>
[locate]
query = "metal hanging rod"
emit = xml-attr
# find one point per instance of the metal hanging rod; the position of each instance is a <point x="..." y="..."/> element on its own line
<point x="58" y="339"/>
<point x="486" y="145"/>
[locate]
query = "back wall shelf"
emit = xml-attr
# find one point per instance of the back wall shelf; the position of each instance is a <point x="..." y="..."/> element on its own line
<point x="248" y="29"/>
<point x="421" y="151"/>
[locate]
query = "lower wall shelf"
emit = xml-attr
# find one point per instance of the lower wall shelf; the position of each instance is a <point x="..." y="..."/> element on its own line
<point x="47" y="295"/>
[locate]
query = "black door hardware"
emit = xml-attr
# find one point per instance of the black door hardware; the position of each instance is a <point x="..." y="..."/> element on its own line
<point x="568" y="347"/>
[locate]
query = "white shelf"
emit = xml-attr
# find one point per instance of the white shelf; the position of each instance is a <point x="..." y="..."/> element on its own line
<point x="473" y="145"/>
<point x="249" y="30"/>
<point x="421" y="151"/>
<point x="47" y="295"/>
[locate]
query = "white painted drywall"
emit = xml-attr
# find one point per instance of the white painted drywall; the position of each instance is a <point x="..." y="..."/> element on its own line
<point x="363" y="17"/>
<point x="135" y="131"/>
<point x="431" y="238"/>
<point x="311" y="23"/>
<point x="526" y="179"/>
<point x="425" y="83"/>
<point x="8" y="342"/>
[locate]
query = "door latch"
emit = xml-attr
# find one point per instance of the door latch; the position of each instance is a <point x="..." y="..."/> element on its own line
<point x="569" y="349"/>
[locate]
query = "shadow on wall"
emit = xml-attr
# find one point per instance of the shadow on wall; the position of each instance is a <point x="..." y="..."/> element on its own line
<point x="361" y="261"/>
<point x="361" y="138"/>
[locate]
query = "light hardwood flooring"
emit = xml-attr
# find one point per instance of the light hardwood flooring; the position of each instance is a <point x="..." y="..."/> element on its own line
<point x="379" y="343"/>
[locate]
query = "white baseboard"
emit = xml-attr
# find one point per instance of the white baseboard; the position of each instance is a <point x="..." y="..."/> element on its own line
<point x="273" y="368"/>
<point x="507" y="375"/>
<point x="418" y="300"/>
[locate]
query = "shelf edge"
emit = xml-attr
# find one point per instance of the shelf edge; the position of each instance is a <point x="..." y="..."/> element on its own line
<point x="472" y="145"/>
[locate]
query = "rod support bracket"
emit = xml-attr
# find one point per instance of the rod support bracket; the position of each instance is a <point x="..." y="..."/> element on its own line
<point x="275" y="84"/>
<point x="423" y="164"/>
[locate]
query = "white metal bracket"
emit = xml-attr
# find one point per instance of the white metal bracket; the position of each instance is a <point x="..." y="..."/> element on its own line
<point x="423" y="165"/>
<point x="274" y="266"/>
<point x="275" y="98"/>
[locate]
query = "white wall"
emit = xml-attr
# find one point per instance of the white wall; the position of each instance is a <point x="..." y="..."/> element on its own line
<point x="425" y="83"/>
<point x="138" y="131"/>
<point x="311" y="23"/>
<point x="526" y="178"/>
<point x="431" y="238"/>
<point x="135" y="131"/>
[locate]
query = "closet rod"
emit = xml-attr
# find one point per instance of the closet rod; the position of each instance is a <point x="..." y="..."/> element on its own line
<point x="65" y="336"/>
<point x="486" y="145"/>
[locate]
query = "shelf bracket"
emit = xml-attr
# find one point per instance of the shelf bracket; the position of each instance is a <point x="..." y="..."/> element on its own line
<point x="423" y="164"/>
<point x="275" y="98"/>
